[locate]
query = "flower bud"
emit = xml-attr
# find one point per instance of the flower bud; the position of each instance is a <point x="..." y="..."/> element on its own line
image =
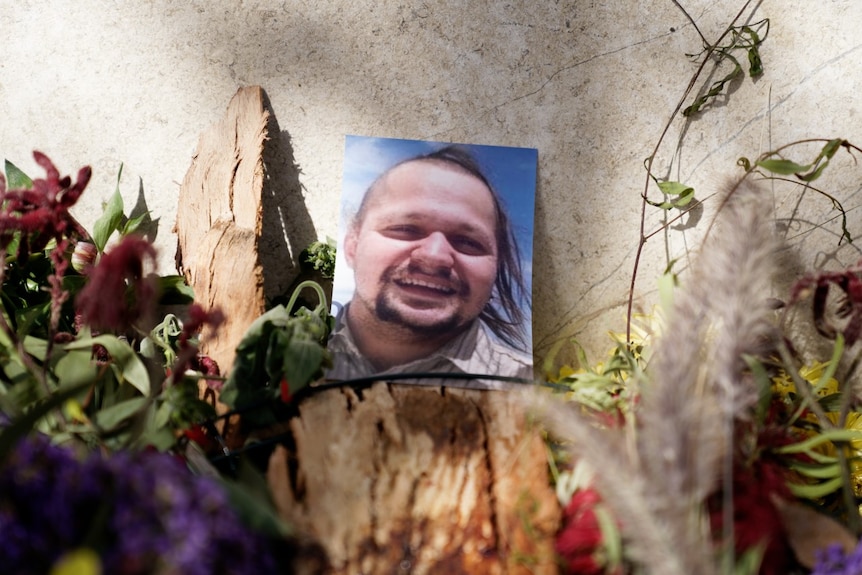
<point x="84" y="257"/>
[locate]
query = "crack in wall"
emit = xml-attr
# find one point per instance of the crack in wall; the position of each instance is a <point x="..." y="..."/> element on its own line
<point x="555" y="74"/>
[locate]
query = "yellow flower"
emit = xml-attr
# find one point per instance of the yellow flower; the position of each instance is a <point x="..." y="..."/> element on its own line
<point x="81" y="561"/>
<point x="854" y="454"/>
<point x="782" y="384"/>
<point x="644" y="327"/>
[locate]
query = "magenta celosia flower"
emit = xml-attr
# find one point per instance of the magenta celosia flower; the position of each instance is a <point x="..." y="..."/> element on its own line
<point x="756" y="518"/>
<point x="41" y="213"/>
<point x="849" y="281"/>
<point x="198" y="318"/>
<point x="118" y="294"/>
<point x="187" y="356"/>
<point x="208" y="367"/>
<point x="580" y="543"/>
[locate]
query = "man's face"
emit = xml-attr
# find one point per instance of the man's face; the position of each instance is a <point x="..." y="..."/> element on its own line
<point x="425" y="253"/>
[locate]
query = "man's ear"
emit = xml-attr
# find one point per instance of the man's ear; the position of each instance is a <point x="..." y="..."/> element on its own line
<point x="350" y="241"/>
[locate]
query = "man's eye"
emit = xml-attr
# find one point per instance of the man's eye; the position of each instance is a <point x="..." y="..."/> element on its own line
<point x="403" y="232"/>
<point x="469" y="246"/>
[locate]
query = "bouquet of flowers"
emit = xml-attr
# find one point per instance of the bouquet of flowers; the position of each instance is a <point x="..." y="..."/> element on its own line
<point x="103" y="433"/>
<point x="709" y="442"/>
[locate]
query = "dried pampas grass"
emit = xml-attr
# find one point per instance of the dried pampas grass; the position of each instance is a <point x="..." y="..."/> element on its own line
<point x="694" y="389"/>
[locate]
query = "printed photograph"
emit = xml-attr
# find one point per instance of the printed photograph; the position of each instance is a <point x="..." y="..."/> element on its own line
<point x="434" y="264"/>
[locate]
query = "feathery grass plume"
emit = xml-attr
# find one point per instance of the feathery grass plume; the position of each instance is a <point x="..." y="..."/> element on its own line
<point x="618" y="479"/>
<point x="694" y="389"/>
<point x="697" y="386"/>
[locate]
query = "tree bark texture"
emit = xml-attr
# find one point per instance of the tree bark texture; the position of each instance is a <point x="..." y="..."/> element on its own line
<point x="405" y="479"/>
<point x="390" y="478"/>
<point x="219" y="221"/>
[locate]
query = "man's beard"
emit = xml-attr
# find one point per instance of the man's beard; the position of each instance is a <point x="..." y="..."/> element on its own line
<point x="387" y="311"/>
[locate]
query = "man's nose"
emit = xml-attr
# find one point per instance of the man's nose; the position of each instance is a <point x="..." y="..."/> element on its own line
<point x="434" y="250"/>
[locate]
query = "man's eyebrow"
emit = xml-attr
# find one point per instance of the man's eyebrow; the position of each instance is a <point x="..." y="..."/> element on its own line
<point x="468" y="229"/>
<point x="420" y="216"/>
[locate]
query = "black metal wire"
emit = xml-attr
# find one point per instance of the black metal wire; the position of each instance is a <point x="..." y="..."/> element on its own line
<point x="230" y="455"/>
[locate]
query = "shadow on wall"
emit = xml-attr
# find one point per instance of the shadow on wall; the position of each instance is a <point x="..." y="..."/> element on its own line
<point x="287" y="228"/>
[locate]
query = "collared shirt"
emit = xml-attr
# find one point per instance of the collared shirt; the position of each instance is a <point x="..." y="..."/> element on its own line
<point x="475" y="351"/>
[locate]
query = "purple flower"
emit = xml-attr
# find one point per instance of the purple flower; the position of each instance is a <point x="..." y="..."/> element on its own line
<point x="144" y="512"/>
<point x="833" y="561"/>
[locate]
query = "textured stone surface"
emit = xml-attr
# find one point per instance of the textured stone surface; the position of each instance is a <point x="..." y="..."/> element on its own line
<point x="590" y="84"/>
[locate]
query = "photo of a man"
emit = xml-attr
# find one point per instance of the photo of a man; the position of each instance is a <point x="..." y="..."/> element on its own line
<point x="438" y="278"/>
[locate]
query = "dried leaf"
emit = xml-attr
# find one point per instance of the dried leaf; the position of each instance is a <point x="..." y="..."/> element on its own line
<point x="810" y="531"/>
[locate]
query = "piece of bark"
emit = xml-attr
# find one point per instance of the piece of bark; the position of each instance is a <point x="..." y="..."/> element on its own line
<point x="422" y="480"/>
<point x="219" y="222"/>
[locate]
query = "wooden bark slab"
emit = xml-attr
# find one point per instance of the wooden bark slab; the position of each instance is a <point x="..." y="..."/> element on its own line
<point x="402" y="479"/>
<point x="219" y="221"/>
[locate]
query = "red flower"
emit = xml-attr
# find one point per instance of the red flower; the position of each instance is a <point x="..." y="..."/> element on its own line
<point x="41" y="213"/>
<point x="207" y="366"/>
<point x="118" y="294"/>
<point x="756" y="519"/>
<point x="198" y="434"/>
<point x="849" y="282"/>
<point x="581" y="542"/>
<point x="284" y="388"/>
<point x="198" y="318"/>
<point x="188" y="356"/>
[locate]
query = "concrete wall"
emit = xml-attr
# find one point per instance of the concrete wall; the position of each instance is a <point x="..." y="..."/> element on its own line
<point x="591" y="84"/>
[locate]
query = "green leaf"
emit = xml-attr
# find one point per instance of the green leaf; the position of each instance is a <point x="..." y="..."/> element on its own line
<point x="814" y="174"/>
<point x="16" y="179"/>
<point x="36" y="347"/>
<point x="755" y="64"/>
<point x="831" y="403"/>
<point x="250" y="498"/>
<point x="817" y="471"/>
<point x="77" y="367"/>
<point x="25" y="424"/>
<point x="111" y="217"/>
<point x="133" y="224"/>
<point x="763" y="383"/>
<point x="716" y="88"/>
<point x="162" y="416"/>
<point x="821" y="458"/>
<point x="161" y="439"/>
<point x="276" y="345"/>
<point x="832" y="366"/>
<point x="748" y="563"/>
<point x="113" y="417"/>
<point x="681" y="195"/>
<point x="832" y="435"/>
<point x="783" y="167"/>
<point x="831" y="147"/>
<point x="610" y="537"/>
<point x="667" y="283"/>
<point x="129" y="366"/>
<point x="301" y="361"/>
<point x="175" y="291"/>
<point x="816" y="490"/>
<point x="674" y="188"/>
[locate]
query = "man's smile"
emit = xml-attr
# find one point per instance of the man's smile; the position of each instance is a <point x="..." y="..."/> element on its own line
<point x="424" y="284"/>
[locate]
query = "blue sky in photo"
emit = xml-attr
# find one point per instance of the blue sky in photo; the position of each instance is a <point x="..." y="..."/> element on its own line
<point x="512" y="172"/>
